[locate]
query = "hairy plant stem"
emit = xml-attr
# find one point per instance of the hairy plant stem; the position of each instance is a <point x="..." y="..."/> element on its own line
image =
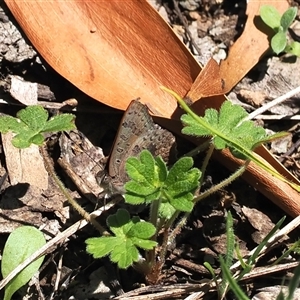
<point x="204" y="195"/>
<point x="166" y="241"/>
<point x="73" y="203"/>
<point x="198" y="149"/>
<point x="154" y="212"/>
<point x="150" y="255"/>
<point x="177" y="228"/>
<point x="223" y="183"/>
<point x="205" y="162"/>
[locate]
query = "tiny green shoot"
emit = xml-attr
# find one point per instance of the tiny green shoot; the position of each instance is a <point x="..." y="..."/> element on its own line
<point x="30" y="124"/>
<point x="280" y="25"/>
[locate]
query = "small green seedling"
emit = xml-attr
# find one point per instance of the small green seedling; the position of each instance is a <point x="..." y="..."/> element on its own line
<point x="21" y="243"/>
<point x="31" y="123"/>
<point x="168" y="192"/>
<point x="280" y="25"/>
<point x="129" y="235"/>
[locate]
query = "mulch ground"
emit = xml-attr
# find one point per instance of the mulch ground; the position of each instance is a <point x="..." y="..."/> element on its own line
<point x="68" y="271"/>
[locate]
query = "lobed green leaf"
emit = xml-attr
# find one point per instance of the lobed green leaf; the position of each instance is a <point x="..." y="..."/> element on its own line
<point x="135" y="169"/>
<point x="161" y="169"/>
<point x="144" y="244"/>
<point x="125" y="254"/>
<point x="144" y="188"/>
<point x="148" y="162"/>
<point x="101" y="246"/>
<point x="192" y="126"/>
<point x="61" y="122"/>
<point x="26" y="138"/>
<point x="134" y="199"/>
<point x="178" y="170"/>
<point x="130" y="234"/>
<point x="174" y="187"/>
<point x="166" y="210"/>
<point x="8" y="123"/>
<point x="142" y="230"/>
<point x="227" y="128"/>
<point x="182" y="203"/>
<point x="31" y="122"/>
<point x="34" y="116"/>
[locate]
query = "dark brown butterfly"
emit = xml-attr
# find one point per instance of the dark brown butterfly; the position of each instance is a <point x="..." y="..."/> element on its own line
<point x="137" y="132"/>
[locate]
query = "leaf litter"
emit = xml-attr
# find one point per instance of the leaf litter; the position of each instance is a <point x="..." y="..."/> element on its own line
<point x="207" y="217"/>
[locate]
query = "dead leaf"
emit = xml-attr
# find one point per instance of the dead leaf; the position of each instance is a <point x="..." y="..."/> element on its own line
<point x="260" y="221"/>
<point x="24" y="165"/>
<point x="24" y="91"/>
<point x="109" y="51"/>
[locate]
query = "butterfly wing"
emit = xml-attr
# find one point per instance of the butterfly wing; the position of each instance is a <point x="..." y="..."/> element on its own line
<point x="136" y="133"/>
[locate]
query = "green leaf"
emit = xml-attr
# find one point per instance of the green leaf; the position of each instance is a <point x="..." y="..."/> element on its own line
<point x="61" y="122"/>
<point x="166" y="210"/>
<point x="34" y="116"/>
<point x="100" y="247"/>
<point x="8" y="123"/>
<point x="288" y="18"/>
<point x="279" y="42"/>
<point x="150" y="180"/>
<point x="271" y="16"/>
<point x="21" y="243"/>
<point x="134" y="199"/>
<point x="226" y="127"/>
<point x="135" y="169"/>
<point x="143" y="230"/>
<point x="161" y="169"/>
<point x="25" y="139"/>
<point x="184" y="203"/>
<point x="146" y="174"/>
<point x="31" y="122"/>
<point x="178" y="169"/>
<point x="130" y="234"/>
<point x="120" y="222"/>
<point x="149" y="167"/>
<point x="145" y="189"/>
